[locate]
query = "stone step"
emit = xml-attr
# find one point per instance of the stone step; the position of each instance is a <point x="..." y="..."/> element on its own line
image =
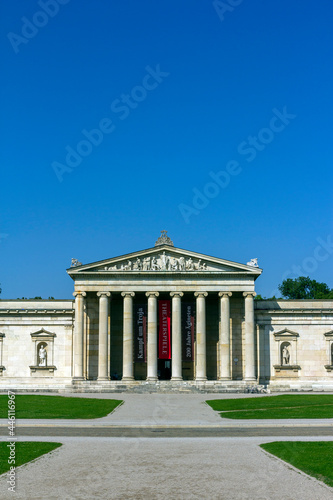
<point x="141" y="387"/>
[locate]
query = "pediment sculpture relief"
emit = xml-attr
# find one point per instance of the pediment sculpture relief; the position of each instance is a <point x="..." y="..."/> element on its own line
<point x="162" y="262"/>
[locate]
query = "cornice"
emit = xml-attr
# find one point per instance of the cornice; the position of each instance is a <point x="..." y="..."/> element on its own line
<point x="292" y="311"/>
<point x="35" y="311"/>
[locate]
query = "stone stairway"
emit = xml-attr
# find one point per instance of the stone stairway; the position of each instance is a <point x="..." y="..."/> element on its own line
<point x="164" y="386"/>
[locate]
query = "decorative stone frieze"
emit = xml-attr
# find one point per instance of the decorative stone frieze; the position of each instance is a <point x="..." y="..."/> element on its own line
<point x="161" y="262"/>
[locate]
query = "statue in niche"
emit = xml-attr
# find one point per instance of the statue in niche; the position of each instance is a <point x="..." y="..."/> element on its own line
<point x="42" y="355"/>
<point x="285" y="355"/>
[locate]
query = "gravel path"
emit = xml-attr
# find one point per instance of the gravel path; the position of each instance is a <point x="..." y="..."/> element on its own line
<point x="180" y="468"/>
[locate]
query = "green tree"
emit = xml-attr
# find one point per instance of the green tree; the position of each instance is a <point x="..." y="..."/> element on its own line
<point x="304" y="288"/>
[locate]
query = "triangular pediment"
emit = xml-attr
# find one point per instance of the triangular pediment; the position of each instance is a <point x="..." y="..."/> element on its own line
<point x="286" y="333"/>
<point x="42" y="333"/>
<point x="165" y="258"/>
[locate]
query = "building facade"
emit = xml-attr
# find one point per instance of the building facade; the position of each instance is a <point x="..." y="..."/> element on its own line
<point x="165" y="319"/>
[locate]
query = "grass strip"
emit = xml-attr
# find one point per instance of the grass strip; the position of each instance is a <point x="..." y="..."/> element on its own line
<point x="314" y="458"/>
<point x="281" y="413"/>
<point x="37" y="406"/>
<point x="263" y="402"/>
<point x="25" y="451"/>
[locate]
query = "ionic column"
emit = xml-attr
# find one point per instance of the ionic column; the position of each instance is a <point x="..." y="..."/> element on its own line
<point x="152" y="336"/>
<point x="78" y="334"/>
<point x="103" y="335"/>
<point x="176" y="356"/>
<point x="128" y="367"/>
<point x="201" y="374"/>
<point x="249" y="351"/>
<point x="224" y="341"/>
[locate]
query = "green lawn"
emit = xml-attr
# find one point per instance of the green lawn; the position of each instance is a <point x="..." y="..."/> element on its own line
<point x="314" y="458"/>
<point x="284" y="406"/>
<point x="24" y="452"/>
<point x="36" y="406"/>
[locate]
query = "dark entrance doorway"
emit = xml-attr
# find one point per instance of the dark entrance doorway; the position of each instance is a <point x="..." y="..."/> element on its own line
<point x="164" y="369"/>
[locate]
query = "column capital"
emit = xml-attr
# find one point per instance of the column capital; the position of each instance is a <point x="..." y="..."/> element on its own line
<point x="152" y="294"/>
<point x="225" y="294"/>
<point x="248" y="294"/>
<point x="127" y="294"/>
<point x="200" y="294"/>
<point x="100" y="294"/>
<point x="176" y="294"/>
<point x="78" y="294"/>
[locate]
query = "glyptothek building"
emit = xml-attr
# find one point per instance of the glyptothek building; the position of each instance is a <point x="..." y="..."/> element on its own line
<point x="166" y="319"/>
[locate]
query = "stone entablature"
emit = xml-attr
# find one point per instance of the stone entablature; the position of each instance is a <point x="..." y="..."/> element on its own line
<point x="36" y="306"/>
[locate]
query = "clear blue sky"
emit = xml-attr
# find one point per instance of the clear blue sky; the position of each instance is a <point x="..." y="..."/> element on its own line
<point x="183" y="93"/>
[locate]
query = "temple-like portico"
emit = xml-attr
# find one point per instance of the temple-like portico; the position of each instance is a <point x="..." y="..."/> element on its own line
<point x="163" y="284"/>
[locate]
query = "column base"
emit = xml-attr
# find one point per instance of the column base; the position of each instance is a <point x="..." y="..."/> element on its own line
<point x="224" y="378"/>
<point x="127" y="379"/>
<point x="250" y="379"/>
<point x="176" y="379"/>
<point x="201" y="379"/>
<point x="101" y="379"/>
<point x="152" y="379"/>
<point x="78" y="379"/>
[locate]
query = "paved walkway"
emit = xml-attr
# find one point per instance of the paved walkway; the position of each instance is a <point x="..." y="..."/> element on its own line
<point x="177" y="469"/>
<point x="138" y="467"/>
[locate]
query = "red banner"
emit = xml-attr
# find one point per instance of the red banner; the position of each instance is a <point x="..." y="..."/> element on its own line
<point x="164" y="333"/>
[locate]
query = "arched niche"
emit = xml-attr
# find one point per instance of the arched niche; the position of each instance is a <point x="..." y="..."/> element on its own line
<point x="43" y="353"/>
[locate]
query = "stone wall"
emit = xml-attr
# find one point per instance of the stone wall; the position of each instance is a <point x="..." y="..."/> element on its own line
<point x="302" y="324"/>
<point x="51" y="323"/>
<point x="306" y="326"/>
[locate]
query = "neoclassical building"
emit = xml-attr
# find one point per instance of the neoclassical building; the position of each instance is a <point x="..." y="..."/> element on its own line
<point x="165" y="319"/>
